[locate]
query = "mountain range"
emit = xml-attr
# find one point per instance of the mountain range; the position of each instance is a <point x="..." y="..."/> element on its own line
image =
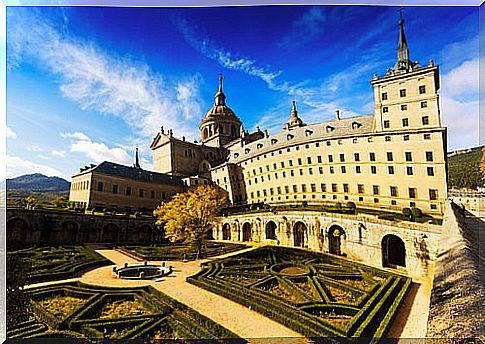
<point x="36" y="183"/>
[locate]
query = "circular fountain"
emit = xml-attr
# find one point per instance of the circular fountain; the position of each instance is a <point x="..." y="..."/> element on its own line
<point x="142" y="271"/>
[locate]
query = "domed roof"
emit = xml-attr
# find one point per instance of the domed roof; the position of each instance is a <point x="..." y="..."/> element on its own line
<point x="220" y="110"/>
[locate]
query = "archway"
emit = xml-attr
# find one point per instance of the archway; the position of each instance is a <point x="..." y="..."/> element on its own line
<point x="17" y="230"/>
<point x="69" y="232"/>
<point x="271" y="230"/>
<point x="393" y="251"/>
<point x="246" y="232"/>
<point x="110" y="233"/>
<point x="226" y="231"/>
<point x="335" y="235"/>
<point x="299" y="231"/>
<point x="210" y="234"/>
<point x="145" y="233"/>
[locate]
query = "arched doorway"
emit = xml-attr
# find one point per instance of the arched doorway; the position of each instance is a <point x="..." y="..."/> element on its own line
<point x="271" y="230"/>
<point x="226" y="231"/>
<point x="393" y="251"/>
<point x="145" y="233"/>
<point x="246" y="232"/>
<point x="110" y="233"/>
<point x="17" y="230"/>
<point x="335" y="236"/>
<point x="210" y="234"/>
<point x="299" y="231"/>
<point x="69" y="231"/>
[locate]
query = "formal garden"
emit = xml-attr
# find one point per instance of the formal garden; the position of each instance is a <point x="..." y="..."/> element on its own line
<point x="179" y="251"/>
<point x="47" y="263"/>
<point x="76" y="310"/>
<point x="314" y="294"/>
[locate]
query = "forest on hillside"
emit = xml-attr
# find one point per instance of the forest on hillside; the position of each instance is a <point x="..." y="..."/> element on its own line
<point x="464" y="170"/>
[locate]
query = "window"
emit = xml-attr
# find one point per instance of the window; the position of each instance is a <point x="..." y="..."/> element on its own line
<point x="295" y="188"/>
<point x="385" y="109"/>
<point x="290" y="162"/>
<point x="393" y="191"/>
<point x="330" y="158"/>
<point x="404" y="107"/>
<point x="309" y="160"/>
<point x="433" y="194"/>
<point x="299" y="161"/>
<point x="375" y="189"/>
<point x="360" y="188"/>
<point x="422" y="89"/>
<point x="389" y="156"/>
<point x="393" y="202"/>
<point x="301" y="171"/>
<point x="376" y="200"/>
<point x="332" y="170"/>
<point x="356" y="156"/>
<point x="303" y="187"/>
<point x="323" y="187"/>
<point x="310" y="171"/>
<point x="429" y="156"/>
<point x="328" y="143"/>
<point x="387" y="139"/>
<point x="384" y="96"/>
<point x="264" y="192"/>
<point x="287" y="189"/>
<point x="313" y="187"/>
<point x="424" y="104"/>
<point x="334" y="187"/>
<point x="152" y="194"/>
<point x="342" y="157"/>
<point x="164" y="195"/>
<point x="430" y="171"/>
<point x="292" y="173"/>
<point x="282" y="164"/>
<point x="115" y="188"/>
<point x="354" y="140"/>
<point x="278" y="190"/>
<point x="346" y="188"/>
<point x="405" y="122"/>
<point x="390" y="169"/>
<point x="387" y="124"/>
<point x="258" y="193"/>
<point x="373" y="169"/>
<point x="433" y="206"/>
<point x="320" y="170"/>
<point x="100" y="186"/>
<point x="319" y="159"/>
<point x="128" y="191"/>
<point x="343" y="169"/>
<point x="140" y="192"/>
<point x="357" y="169"/>
<point x="406" y="137"/>
<point x="412" y="192"/>
<point x="409" y="156"/>
<point x="425" y="120"/>
<point x="402" y="93"/>
<point x="427" y="136"/>
<point x="409" y="170"/>
<point x="372" y="156"/>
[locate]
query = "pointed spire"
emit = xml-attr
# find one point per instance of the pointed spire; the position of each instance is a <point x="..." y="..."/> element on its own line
<point x="294" y="121"/>
<point x="294" y="112"/>
<point x="220" y="97"/>
<point x="137" y="161"/>
<point x="403" y="62"/>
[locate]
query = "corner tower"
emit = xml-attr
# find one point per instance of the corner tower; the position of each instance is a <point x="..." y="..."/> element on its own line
<point x="406" y="97"/>
<point x="220" y="125"/>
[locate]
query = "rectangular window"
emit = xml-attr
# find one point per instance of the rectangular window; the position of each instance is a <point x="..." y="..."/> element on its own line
<point x="342" y="157"/>
<point x="292" y="173"/>
<point x="409" y="170"/>
<point x="343" y="169"/>
<point x="152" y="194"/>
<point x="290" y="162"/>
<point x="409" y="156"/>
<point x="330" y="158"/>
<point x="313" y="187"/>
<point x="402" y="93"/>
<point x="323" y="187"/>
<point x="332" y="170"/>
<point x="425" y="120"/>
<point x="334" y="187"/>
<point x="319" y="159"/>
<point x="320" y="170"/>
<point x="299" y="161"/>
<point x="303" y="187"/>
<point x="393" y="191"/>
<point x="100" y="186"/>
<point x="287" y="189"/>
<point x="429" y="156"/>
<point x="357" y="169"/>
<point x="278" y="190"/>
<point x="360" y="188"/>
<point x="390" y="169"/>
<point x="424" y="104"/>
<point x="115" y="188"/>
<point x="284" y="174"/>
<point x="258" y="193"/>
<point x="387" y="124"/>
<point x="387" y="139"/>
<point x="264" y="192"/>
<point x="406" y="137"/>
<point x="140" y="192"/>
<point x="346" y="188"/>
<point x="295" y="188"/>
<point x="404" y="107"/>
<point x="356" y="156"/>
<point x="427" y="136"/>
<point x="301" y="171"/>
<point x="422" y="89"/>
<point x="309" y="160"/>
<point x="389" y="156"/>
<point x="372" y="156"/>
<point x="373" y="169"/>
<point x="164" y="195"/>
<point x="430" y="171"/>
<point x="433" y="194"/>
<point x="128" y="191"/>
<point x="385" y="109"/>
<point x="375" y="189"/>
<point x="384" y="96"/>
<point x="412" y="192"/>
<point x="405" y="122"/>
<point x="310" y="171"/>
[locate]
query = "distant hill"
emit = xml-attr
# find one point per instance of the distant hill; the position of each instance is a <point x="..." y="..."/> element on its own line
<point x="464" y="168"/>
<point x="38" y="183"/>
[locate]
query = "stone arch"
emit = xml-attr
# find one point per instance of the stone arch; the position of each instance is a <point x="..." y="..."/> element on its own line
<point x="110" y="233"/>
<point x="145" y="233"/>
<point x="393" y="251"/>
<point x="210" y="234"/>
<point x="226" y="231"/>
<point x="336" y="235"/>
<point x="69" y="231"/>
<point x="204" y="166"/>
<point x="299" y="234"/>
<point x="205" y="133"/>
<point x="270" y="230"/>
<point x="17" y="230"/>
<point x="246" y="231"/>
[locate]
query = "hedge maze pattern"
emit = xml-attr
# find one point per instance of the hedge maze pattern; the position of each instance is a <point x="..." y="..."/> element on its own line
<point x="314" y="294"/>
<point x="76" y="310"/>
<point x="60" y="262"/>
<point x="179" y="251"/>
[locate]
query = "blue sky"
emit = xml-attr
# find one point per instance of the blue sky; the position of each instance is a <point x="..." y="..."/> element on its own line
<point x="87" y="84"/>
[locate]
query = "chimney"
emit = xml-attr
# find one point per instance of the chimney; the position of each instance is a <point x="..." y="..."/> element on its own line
<point x="337" y="113"/>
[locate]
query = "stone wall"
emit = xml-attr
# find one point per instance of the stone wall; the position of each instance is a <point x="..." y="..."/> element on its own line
<point x="458" y="295"/>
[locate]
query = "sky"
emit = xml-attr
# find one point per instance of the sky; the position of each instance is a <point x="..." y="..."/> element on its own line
<point x="89" y="84"/>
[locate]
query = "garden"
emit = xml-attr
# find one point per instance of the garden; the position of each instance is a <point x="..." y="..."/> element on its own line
<point x="77" y="310"/>
<point x="47" y="263"/>
<point x="314" y="294"/>
<point x="179" y="251"/>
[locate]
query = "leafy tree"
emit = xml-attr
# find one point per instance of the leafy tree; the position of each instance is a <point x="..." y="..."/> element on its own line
<point x="30" y="201"/>
<point x="188" y="217"/>
<point x="18" y="304"/>
<point x="61" y="201"/>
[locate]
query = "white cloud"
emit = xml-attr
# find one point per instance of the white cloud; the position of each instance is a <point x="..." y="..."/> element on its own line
<point x="17" y="166"/>
<point x="95" y="151"/>
<point x="100" y="81"/>
<point x="58" y="153"/>
<point x="463" y="80"/>
<point x="461" y="118"/>
<point x="34" y="148"/>
<point x="10" y="133"/>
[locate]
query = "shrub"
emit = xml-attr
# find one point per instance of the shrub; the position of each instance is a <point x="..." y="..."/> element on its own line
<point x="407" y="213"/>
<point x="416" y="212"/>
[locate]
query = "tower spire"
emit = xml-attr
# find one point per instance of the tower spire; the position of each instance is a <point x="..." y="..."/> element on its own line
<point x="294" y="112"/>
<point x="137" y="161"/>
<point x="403" y="62"/>
<point x="220" y="97"/>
